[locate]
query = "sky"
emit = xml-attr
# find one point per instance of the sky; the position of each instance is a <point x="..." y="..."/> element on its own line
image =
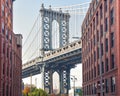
<point x="24" y="14"/>
<point x="26" y="11"/>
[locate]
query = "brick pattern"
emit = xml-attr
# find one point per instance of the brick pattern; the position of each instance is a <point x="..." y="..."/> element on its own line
<point x="10" y="53"/>
<point x="97" y="27"/>
<point x="118" y="43"/>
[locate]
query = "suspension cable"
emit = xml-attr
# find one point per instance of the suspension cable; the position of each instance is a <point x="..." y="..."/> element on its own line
<point x="31" y="30"/>
<point x="31" y="43"/>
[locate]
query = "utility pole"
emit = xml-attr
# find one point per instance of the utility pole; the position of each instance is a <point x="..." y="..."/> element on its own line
<point x="30" y="84"/>
<point x="73" y="79"/>
<point x="36" y="82"/>
<point x="43" y="67"/>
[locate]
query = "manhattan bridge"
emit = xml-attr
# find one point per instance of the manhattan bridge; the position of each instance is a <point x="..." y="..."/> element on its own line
<point x="54" y="45"/>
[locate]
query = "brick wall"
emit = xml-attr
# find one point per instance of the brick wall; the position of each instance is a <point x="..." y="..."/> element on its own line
<point x="118" y="43"/>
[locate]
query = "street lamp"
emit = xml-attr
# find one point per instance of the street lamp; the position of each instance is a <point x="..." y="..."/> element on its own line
<point x="41" y="68"/>
<point x="73" y="78"/>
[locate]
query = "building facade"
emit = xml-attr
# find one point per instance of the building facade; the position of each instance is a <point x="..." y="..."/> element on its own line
<point x="10" y="52"/>
<point x="101" y="49"/>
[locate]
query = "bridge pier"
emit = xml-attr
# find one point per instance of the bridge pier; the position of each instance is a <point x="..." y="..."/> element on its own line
<point x="51" y="82"/>
<point x="48" y="81"/>
<point x="64" y="81"/>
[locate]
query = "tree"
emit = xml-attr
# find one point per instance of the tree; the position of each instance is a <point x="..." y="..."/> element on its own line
<point x="42" y="92"/>
<point x="80" y="93"/>
<point x="26" y="91"/>
<point x="33" y="91"/>
<point x="37" y="92"/>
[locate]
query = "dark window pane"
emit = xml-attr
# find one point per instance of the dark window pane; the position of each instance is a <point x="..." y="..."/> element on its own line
<point x="105" y="5"/>
<point x="106" y="24"/>
<point x="112" y="39"/>
<point x="112" y="16"/>
<point x="102" y="49"/>
<point x="101" y="30"/>
<point x="106" y="85"/>
<point x="112" y="84"/>
<point x="101" y="11"/>
<point x="112" y="61"/>
<point x="106" y="63"/>
<point x="106" y="48"/>
<point x="102" y="69"/>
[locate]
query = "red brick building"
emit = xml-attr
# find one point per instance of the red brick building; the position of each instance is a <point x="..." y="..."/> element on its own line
<point x="101" y="49"/>
<point x="10" y="52"/>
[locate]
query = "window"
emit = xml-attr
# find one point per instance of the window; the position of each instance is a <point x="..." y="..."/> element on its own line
<point x="3" y="89"/>
<point x="106" y="85"/>
<point x="106" y="48"/>
<point x="3" y="28"/>
<point x="7" y="70"/>
<point x="10" y="91"/>
<point x="101" y="13"/>
<point x="3" y="69"/>
<point x="98" y="84"/>
<point x="7" y="90"/>
<point x="102" y="49"/>
<point x="86" y="37"/>
<point x="112" y="61"/>
<point x="87" y="90"/>
<point x="7" y="52"/>
<point x="112" y="16"/>
<point x="102" y="67"/>
<point x="106" y="24"/>
<point x="94" y="24"/>
<point x="94" y="71"/>
<point x="89" y="33"/>
<point x="92" y="59"/>
<point x="97" y="18"/>
<point x="97" y="1"/>
<point x="105" y="5"/>
<point x="112" y="84"/>
<point x="101" y="30"/>
<point x="106" y="63"/>
<point x="94" y="56"/>
<point x="97" y="36"/>
<point x="112" y="39"/>
<point x="95" y="88"/>
<point x="3" y="48"/>
<point x="89" y="61"/>
<point x="3" y="10"/>
<point x="98" y="69"/>
<point x="94" y="40"/>
<point x="98" y="52"/>
<point x="91" y="44"/>
<point x="91" y="28"/>
<point x="10" y="38"/>
<point x="111" y="1"/>
<point x="89" y="76"/>
<point x="103" y="84"/>
<point x="11" y="72"/>
<point x="11" y="57"/>
<point x="7" y="2"/>
<point x="7" y="34"/>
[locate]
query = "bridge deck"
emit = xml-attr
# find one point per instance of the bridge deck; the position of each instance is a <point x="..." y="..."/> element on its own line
<point x="66" y="49"/>
<point x="66" y="56"/>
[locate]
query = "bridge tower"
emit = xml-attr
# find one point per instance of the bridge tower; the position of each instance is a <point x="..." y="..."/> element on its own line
<point x="48" y="16"/>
